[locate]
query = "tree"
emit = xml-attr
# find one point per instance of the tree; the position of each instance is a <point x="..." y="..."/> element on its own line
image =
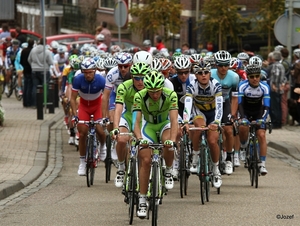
<point x="221" y="21"/>
<point x="266" y="16"/>
<point x="155" y="15"/>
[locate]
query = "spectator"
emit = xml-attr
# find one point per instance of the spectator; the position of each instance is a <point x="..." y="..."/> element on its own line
<point x="100" y="42"/>
<point x="20" y="36"/>
<point x="97" y="31"/>
<point x="36" y="61"/>
<point x="27" y="72"/>
<point x="148" y="46"/>
<point x="5" y="31"/>
<point x="286" y="87"/>
<point x="185" y="47"/>
<point x="106" y="33"/>
<point x="159" y="44"/>
<point x="277" y="79"/>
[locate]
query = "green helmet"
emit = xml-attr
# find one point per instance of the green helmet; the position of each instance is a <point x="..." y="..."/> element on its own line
<point x="154" y="80"/>
<point x="140" y="69"/>
<point x="73" y="56"/>
<point x="75" y="63"/>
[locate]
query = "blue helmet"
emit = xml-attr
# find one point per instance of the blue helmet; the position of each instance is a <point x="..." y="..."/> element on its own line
<point x="88" y="63"/>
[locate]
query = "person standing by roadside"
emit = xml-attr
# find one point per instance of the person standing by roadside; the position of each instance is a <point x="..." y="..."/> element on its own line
<point x="5" y="31"/>
<point x="106" y="33"/>
<point x="277" y="81"/>
<point x="36" y="60"/>
<point x="27" y="87"/>
<point x="20" y="36"/>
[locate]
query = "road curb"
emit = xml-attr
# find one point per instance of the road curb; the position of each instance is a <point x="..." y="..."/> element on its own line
<point x="9" y="187"/>
<point x="285" y="148"/>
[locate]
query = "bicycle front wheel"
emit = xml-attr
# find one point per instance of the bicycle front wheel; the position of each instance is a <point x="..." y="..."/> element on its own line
<point x="182" y="169"/>
<point x="132" y="193"/>
<point x="255" y="161"/>
<point x="154" y="196"/>
<point x="89" y="159"/>
<point x="108" y="160"/>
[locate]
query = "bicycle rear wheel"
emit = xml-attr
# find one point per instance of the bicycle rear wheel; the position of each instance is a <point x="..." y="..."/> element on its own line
<point x="154" y="194"/>
<point x="182" y="169"/>
<point x="202" y="178"/>
<point x="255" y="162"/>
<point x="132" y="193"/>
<point x="108" y="160"/>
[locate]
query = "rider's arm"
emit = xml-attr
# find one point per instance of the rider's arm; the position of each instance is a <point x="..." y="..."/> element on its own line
<point x="188" y="103"/>
<point x="266" y="100"/>
<point x="174" y="124"/>
<point x="137" y="115"/>
<point x="219" y="108"/>
<point x="120" y="101"/>
<point x="234" y="97"/>
<point x="74" y="95"/>
<point x="105" y="100"/>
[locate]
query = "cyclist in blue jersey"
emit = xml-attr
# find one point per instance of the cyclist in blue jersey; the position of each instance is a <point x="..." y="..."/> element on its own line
<point x="254" y="104"/>
<point x="229" y="81"/>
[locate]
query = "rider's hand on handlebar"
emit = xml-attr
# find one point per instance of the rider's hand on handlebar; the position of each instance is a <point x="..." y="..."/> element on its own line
<point x="114" y="133"/>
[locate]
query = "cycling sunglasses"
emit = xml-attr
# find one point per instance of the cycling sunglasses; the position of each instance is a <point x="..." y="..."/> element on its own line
<point x="138" y="78"/>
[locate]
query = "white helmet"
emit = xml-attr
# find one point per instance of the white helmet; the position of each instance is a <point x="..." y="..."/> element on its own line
<point x="182" y="62"/>
<point x="54" y="44"/>
<point x="222" y="57"/>
<point x="296" y="52"/>
<point x="243" y="56"/>
<point x="147" y="42"/>
<point x="156" y="64"/>
<point x="100" y="37"/>
<point x="255" y="60"/>
<point x="142" y="56"/>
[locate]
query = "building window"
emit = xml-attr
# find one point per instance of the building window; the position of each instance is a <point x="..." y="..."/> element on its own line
<point x="106" y="3"/>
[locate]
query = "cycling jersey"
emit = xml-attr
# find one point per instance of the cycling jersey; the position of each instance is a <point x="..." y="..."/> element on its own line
<point x="10" y="57"/>
<point x="206" y="100"/>
<point x="61" y="61"/>
<point x="180" y="89"/>
<point x="17" y="63"/>
<point x="229" y="83"/>
<point x="254" y="101"/>
<point x="155" y="111"/>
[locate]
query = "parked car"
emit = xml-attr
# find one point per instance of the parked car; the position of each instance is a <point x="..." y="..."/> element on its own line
<point x="66" y="38"/>
<point x="125" y="43"/>
<point x="29" y="34"/>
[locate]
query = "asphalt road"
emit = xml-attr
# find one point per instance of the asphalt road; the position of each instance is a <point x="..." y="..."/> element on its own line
<point x="61" y="197"/>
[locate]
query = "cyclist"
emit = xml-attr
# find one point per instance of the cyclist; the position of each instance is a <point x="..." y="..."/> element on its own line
<point x="204" y="104"/>
<point x="123" y="118"/>
<point x="11" y="54"/>
<point x="89" y="86"/>
<point x="100" y="41"/>
<point x="254" y="104"/>
<point x="180" y="82"/>
<point x="158" y="105"/>
<point x="229" y="81"/>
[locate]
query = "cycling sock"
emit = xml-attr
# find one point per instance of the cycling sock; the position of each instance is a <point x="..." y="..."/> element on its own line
<point x="228" y="158"/>
<point x="215" y="167"/>
<point x="82" y="159"/>
<point x="168" y="169"/>
<point x="236" y="153"/>
<point x="142" y="198"/>
<point x="196" y="152"/>
<point x="121" y="165"/>
<point x="244" y="144"/>
<point x="262" y="158"/>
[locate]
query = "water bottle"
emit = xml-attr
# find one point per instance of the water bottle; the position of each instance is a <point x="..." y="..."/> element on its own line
<point x="95" y="149"/>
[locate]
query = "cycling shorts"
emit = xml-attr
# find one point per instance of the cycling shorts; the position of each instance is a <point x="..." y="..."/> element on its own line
<point x="149" y="130"/>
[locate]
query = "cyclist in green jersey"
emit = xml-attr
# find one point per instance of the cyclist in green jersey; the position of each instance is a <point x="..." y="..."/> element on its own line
<point x="123" y="117"/>
<point x="156" y="106"/>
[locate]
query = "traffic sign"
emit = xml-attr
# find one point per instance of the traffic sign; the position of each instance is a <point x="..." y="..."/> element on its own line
<point x="120" y="13"/>
<point x="281" y="29"/>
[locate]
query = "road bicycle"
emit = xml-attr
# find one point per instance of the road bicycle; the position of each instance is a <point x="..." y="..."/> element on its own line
<point x="13" y="86"/>
<point x="156" y="186"/>
<point x="131" y="180"/>
<point x="185" y="158"/>
<point x="204" y="166"/>
<point x="253" y="150"/>
<point x="92" y="147"/>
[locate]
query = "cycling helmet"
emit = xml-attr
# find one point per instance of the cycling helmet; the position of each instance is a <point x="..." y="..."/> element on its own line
<point x="61" y="49"/>
<point x="235" y="63"/>
<point x="176" y="54"/>
<point x="100" y="63"/>
<point x="154" y="80"/>
<point x="147" y="42"/>
<point x="54" y="44"/>
<point x="100" y="37"/>
<point x="263" y="75"/>
<point x="88" y="63"/>
<point x="255" y="60"/>
<point x="109" y="63"/>
<point x="142" y="56"/>
<point x="115" y="48"/>
<point x="140" y="68"/>
<point x="297" y="53"/>
<point x="73" y="56"/>
<point x="278" y="48"/>
<point x="210" y="59"/>
<point x="81" y="58"/>
<point x="156" y="64"/>
<point x="201" y="66"/>
<point x="75" y="63"/>
<point x="124" y="58"/>
<point x="222" y="57"/>
<point x="166" y="64"/>
<point x="182" y="63"/>
<point x="15" y="42"/>
<point x="134" y="49"/>
<point x="252" y="69"/>
<point x="24" y="45"/>
<point x="190" y="51"/>
<point x="195" y="58"/>
<point x="243" y="56"/>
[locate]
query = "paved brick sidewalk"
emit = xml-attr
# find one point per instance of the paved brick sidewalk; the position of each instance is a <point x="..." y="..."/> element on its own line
<point x="24" y="143"/>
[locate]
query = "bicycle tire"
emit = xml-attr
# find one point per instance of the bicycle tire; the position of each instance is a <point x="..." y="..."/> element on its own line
<point x="154" y="194"/>
<point x="255" y="161"/>
<point x="89" y="156"/>
<point x="10" y="90"/>
<point x="182" y="169"/>
<point x="207" y="176"/>
<point x="201" y="178"/>
<point x="19" y="97"/>
<point x="108" y="160"/>
<point x="132" y="193"/>
<point x="188" y="159"/>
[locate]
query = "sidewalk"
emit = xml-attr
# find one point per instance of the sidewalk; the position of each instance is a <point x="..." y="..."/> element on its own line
<point x="24" y="142"/>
